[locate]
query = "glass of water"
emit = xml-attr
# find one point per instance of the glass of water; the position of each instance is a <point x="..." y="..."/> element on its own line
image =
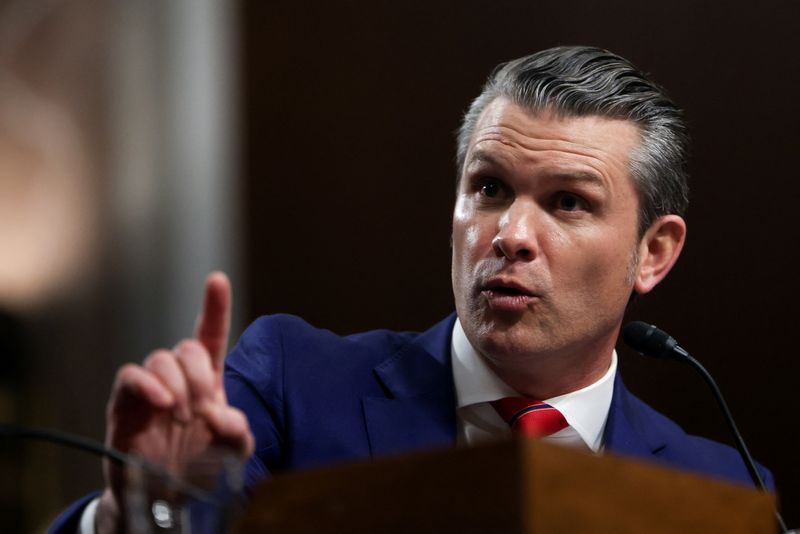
<point x="203" y="497"/>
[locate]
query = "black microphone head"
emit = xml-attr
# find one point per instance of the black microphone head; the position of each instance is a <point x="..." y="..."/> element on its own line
<point x="648" y="340"/>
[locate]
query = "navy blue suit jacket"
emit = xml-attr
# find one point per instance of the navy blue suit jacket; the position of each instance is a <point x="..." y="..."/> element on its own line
<point x="314" y="398"/>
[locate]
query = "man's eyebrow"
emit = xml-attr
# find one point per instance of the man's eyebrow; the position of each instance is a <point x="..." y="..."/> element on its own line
<point x="481" y="156"/>
<point x="579" y="176"/>
<point x="576" y="176"/>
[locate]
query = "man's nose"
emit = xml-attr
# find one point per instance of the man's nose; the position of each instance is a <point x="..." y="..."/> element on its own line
<point x="516" y="233"/>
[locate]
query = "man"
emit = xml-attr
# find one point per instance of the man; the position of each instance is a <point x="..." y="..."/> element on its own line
<point x="572" y="183"/>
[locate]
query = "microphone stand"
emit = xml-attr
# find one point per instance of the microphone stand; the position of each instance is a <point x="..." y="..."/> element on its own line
<point x="648" y="340"/>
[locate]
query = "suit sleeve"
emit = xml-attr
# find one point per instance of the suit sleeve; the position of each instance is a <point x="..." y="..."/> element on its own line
<point x="254" y="384"/>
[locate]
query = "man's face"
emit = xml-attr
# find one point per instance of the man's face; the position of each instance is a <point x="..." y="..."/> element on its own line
<point x="544" y="235"/>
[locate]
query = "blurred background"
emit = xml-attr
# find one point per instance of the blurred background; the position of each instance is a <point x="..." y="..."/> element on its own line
<point x="307" y="149"/>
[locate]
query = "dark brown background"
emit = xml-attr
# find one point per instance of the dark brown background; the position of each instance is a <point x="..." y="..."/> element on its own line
<point x="349" y="115"/>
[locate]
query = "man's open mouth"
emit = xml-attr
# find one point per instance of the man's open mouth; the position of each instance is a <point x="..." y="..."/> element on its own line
<point x="509" y="288"/>
<point x="510" y="291"/>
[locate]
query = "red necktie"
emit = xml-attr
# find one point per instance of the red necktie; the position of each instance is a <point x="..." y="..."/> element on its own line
<point x="530" y="417"/>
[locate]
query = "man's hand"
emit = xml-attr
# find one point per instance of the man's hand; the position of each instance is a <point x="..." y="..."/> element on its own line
<point x="172" y="408"/>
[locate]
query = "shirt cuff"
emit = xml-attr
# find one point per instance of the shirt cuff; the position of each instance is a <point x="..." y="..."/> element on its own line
<point x="86" y="526"/>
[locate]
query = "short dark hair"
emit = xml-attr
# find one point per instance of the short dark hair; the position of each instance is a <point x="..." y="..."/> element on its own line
<point x="582" y="80"/>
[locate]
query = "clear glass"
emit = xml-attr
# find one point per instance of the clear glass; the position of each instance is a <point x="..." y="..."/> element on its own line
<point x="204" y="496"/>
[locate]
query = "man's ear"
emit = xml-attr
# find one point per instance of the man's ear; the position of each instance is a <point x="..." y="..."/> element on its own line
<point x="658" y="251"/>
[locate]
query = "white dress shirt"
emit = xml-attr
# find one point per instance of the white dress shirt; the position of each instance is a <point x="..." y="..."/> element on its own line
<point x="476" y="385"/>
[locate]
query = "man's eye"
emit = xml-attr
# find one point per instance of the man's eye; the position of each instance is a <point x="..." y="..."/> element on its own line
<point x="569" y="202"/>
<point x="488" y="187"/>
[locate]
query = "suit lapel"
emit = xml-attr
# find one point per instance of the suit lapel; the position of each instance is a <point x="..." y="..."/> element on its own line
<point x="418" y="410"/>
<point x="626" y="430"/>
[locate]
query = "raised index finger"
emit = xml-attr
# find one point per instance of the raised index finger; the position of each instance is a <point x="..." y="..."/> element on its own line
<point x="215" y="317"/>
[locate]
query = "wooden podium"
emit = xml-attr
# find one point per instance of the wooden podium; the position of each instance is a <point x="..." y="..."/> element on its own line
<point x="513" y="487"/>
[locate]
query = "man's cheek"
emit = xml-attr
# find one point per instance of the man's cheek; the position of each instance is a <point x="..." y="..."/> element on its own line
<point x="600" y="280"/>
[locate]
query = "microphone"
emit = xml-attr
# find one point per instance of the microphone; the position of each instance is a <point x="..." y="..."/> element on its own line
<point x="648" y="340"/>
<point x="13" y="432"/>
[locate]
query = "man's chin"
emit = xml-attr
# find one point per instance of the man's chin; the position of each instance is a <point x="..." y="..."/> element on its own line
<point x="503" y="333"/>
<point x="509" y="344"/>
<point x="503" y="321"/>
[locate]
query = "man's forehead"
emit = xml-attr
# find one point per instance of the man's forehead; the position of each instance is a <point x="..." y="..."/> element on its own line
<point x="502" y="115"/>
<point x="506" y="129"/>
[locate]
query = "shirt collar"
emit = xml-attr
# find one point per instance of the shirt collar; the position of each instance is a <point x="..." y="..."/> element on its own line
<point x="586" y="410"/>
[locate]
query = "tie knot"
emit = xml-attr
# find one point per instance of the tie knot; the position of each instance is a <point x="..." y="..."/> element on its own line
<point x="530" y="417"/>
